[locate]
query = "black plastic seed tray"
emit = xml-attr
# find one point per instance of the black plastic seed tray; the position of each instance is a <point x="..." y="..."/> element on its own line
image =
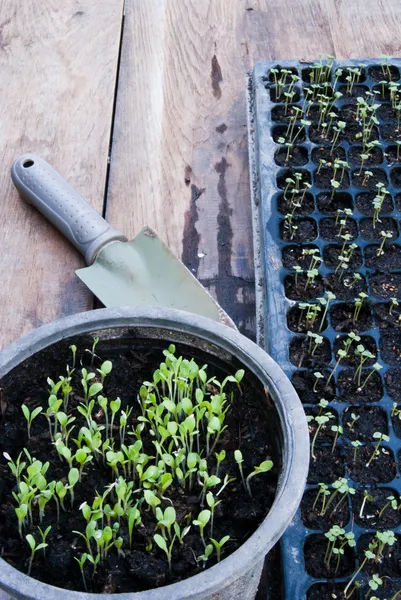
<point x="274" y="259"/>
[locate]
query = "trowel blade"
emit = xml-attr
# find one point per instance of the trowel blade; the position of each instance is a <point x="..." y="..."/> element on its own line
<point x="145" y="273"/>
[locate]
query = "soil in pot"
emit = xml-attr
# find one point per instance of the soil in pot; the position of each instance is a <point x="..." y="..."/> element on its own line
<point x="142" y="564"/>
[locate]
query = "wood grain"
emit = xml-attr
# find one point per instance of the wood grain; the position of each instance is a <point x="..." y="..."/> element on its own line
<point x="365" y="28"/>
<point x="58" y="65"/>
<point x="179" y="155"/>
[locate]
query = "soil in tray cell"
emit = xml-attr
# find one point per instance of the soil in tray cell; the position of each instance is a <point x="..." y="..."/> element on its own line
<point x="353" y="359"/>
<point x="342" y="318"/>
<point x="315" y="549"/>
<point x="282" y="113"/>
<point x="391" y="348"/>
<point x="327" y="154"/>
<point x="380" y="470"/>
<point x="361" y="422"/>
<point x="388" y="566"/>
<point x="326" y="591"/>
<point x="285" y="204"/>
<point x="309" y="393"/>
<point x="396" y="420"/>
<point x="323" y="177"/>
<point x="273" y="76"/>
<point x="280" y="131"/>
<point x="382" y="72"/>
<point x="314" y="113"/>
<point x="390" y="259"/>
<point x="352" y="131"/>
<point x="298" y="230"/>
<point x="299" y="321"/>
<point x="390" y="132"/>
<point x="285" y="174"/>
<point x="364" y="203"/>
<point x="347" y="70"/>
<point x="325" y="433"/>
<point x="376" y="511"/>
<point x="386" y="285"/>
<point x="312" y="517"/>
<point x="387" y="316"/>
<point x="330" y="230"/>
<point x="332" y="252"/>
<point x="352" y="392"/>
<point x="375" y="156"/>
<point x="294" y="255"/>
<point x="393" y="386"/>
<point x="327" y="465"/>
<point x="395" y="176"/>
<point x="277" y="94"/>
<point x="348" y="287"/>
<point x="366" y="181"/>
<point x="370" y="232"/>
<point x="298" y="157"/>
<point x="326" y="203"/>
<point x="393" y="155"/>
<point x="357" y="91"/>
<point x="300" y="289"/>
<point x="318" y="135"/>
<point x="305" y="354"/>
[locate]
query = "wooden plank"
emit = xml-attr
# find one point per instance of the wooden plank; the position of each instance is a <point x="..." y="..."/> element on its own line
<point x="365" y="28"/>
<point x="58" y="65"/>
<point x="179" y="156"/>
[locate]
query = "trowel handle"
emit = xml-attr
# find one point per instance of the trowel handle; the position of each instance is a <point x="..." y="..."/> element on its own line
<point x="39" y="184"/>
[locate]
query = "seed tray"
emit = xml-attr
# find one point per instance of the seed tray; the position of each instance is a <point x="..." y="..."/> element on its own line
<point x="274" y="271"/>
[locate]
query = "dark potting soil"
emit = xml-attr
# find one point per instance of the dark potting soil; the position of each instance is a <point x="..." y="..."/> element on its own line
<point x="328" y="204"/>
<point x="323" y="178"/>
<point x="380" y="470"/>
<point x="390" y="259"/>
<point x="375" y="156"/>
<point x="386" y="319"/>
<point x="327" y="465"/>
<point x="326" y="591"/>
<point x="280" y="131"/>
<point x="360" y="179"/>
<point x="342" y="318"/>
<point x="345" y="288"/>
<point x="352" y="132"/>
<point x="292" y="255"/>
<point x="315" y="549"/>
<point x="304" y="381"/>
<point x="393" y="155"/>
<point x="304" y="355"/>
<point x="327" y="154"/>
<point x="284" y="205"/>
<point x="298" y="157"/>
<point x="380" y="73"/>
<point x="393" y="385"/>
<point x="312" y="518"/>
<point x="143" y="566"/>
<point x="357" y="90"/>
<point x="330" y="230"/>
<point x="290" y="173"/>
<point x="300" y="290"/>
<point x="370" y="518"/>
<point x="386" y="285"/>
<point x="296" y="321"/>
<point x="386" y="113"/>
<point x="395" y="176"/>
<point x="350" y="391"/>
<point x="331" y="254"/>
<point x="370" y="232"/>
<point x="391" y="348"/>
<point x="364" y="203"/>
<point x="370" y="419"/>
<point x="300" y="229"/>
<point x="391" y="132"/>
<point x="283" y="114"/>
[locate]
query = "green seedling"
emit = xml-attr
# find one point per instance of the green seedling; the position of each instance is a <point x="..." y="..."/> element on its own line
<point x="201" y="522"/>
<point x="321" y="421"/>
<point x="386" y="235"/>
<point x="73" y="478"/>
<point x="105" y="369"/>
<point x="218" y="545"/>
<point x="366" y="498"/>
<point x="393" y="302"/>
<point x="34" y="548"/>
<point x="17" y="467"/>
<point x="380" y="437"/>
<point x="340" y="486"/>
<point x="212" y="504"/>
<point x="264" y="467"/>
<point x="81" y="562"/>
<point x="355" y="444"/>
<point x="391" y="501"/>
<point x="358" y="303"/>
<point x="317" y="376"/>
<point x="338" y="430"/>
<point x="324" y="492"/>
<point x="206" y="555"/>
<point x="30" y="416"/>
<point x="161" y="542"/>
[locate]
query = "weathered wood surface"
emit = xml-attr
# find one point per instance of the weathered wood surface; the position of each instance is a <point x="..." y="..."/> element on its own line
<point x="58" y="63"/>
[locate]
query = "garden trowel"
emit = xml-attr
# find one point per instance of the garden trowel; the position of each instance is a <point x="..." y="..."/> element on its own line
<point x="140" y="273"/>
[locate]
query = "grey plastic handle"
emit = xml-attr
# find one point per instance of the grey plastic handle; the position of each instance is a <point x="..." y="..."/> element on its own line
<point x="39" y="184"/>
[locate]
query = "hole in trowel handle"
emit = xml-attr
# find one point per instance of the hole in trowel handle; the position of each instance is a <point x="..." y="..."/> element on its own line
<point x="27" y="163"/>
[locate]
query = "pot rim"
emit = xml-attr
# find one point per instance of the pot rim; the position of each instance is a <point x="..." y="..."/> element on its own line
<point x="295" y="449"/>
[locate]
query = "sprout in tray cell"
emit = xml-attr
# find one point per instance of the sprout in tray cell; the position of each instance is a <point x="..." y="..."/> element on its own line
<point x="343" y="353"/>
<point x="326" y="303"/>
<point x="337" y="541"/>
<point x="366" y="498"/>
<point x="341" y="219"/>
<point x="355" y="278"/>
<point x="358" y="303"/>
<point x="338" y="430"/>
<point x="352" y="78"/>
<point x="393" y="302"/>
<point x="344" y="259"/>
<point x="386" y="235"/>
<point x="378" y="202"/>
<point x="355" y="444"/>
<point x="392" y="502"/>
<point x="341" y="125"/>
<point x="321" y="420"/>
<point x="380" y="437"/>
<point x="282" y="79"/>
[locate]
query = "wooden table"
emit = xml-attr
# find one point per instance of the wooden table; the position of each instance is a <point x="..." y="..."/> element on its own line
<point x="144" y="114"/>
